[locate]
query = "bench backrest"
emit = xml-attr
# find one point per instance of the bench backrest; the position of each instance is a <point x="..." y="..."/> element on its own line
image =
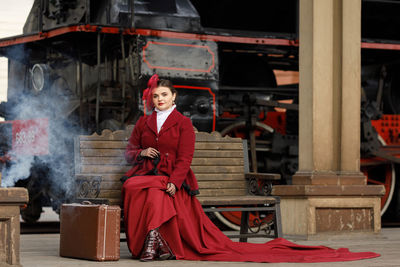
<point x="219" y="164"/>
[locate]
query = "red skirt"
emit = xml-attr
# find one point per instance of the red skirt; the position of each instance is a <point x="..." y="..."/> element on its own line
<point x="192" y="236"/>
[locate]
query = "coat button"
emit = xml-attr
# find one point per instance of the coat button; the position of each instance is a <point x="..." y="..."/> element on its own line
<point x="166" y="154"/>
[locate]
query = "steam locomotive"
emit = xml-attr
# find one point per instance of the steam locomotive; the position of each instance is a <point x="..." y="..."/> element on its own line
<point x="80" y="67"/>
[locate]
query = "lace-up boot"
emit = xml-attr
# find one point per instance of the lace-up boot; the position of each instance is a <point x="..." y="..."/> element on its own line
<point x="151" y="247"/>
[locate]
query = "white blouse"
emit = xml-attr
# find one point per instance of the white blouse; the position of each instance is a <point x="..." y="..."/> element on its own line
<point x="162" y="116"/>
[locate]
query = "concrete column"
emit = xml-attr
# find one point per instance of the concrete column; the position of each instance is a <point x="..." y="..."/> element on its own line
<point x="329" y="184"/>
<point x="350" y="86"/>
<point x="330" y="70"/>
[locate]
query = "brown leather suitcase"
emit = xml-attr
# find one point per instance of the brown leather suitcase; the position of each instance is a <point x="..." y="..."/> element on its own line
<point x="90" y="231"/>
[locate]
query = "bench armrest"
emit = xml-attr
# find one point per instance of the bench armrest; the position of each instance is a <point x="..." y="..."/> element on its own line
<point x="261" y="183"/>
<point x="87" y="186"/>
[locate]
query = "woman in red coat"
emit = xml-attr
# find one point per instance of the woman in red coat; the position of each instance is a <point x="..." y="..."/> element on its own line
<point x="163" y="218"/>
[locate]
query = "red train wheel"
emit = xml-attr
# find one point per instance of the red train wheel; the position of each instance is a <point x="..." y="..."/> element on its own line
<point x="380" y="174"/>
<point x="238" y="129"/>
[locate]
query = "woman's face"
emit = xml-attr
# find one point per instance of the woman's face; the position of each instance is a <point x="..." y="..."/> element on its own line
<point x="163" y="98"/>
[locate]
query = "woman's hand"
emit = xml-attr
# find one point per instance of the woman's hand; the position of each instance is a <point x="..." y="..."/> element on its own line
<point x="150" y="152"/>
<point x="171" y="189"/>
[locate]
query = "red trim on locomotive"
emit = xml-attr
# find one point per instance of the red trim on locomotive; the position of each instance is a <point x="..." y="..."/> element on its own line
<point x="380" y="46"/>
<point x="145" y="32"/>
<point x="177" y="35"/>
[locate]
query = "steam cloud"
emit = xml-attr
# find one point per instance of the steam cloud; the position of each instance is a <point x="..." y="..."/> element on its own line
<point x="54" y="170"/>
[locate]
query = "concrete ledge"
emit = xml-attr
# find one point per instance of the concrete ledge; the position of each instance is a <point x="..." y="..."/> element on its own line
<point x="329" y="178"/>
<point x="11" y="195"/>
<point x="328" y="190"/>
<point x="10" y="201"/>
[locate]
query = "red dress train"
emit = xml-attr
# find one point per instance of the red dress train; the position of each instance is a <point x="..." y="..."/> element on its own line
<point x="192" y="236"/>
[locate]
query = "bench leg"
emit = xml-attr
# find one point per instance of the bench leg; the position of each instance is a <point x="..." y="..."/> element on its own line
<point x="244" y="225"/>
<point x="278" y="222"/>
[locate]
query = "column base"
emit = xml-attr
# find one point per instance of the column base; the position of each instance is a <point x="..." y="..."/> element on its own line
<point x="312" y="211"/>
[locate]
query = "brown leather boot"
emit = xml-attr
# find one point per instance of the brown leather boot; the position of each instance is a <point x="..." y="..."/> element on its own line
<point x="165" y="253"/>
<point x="151" y="247"/>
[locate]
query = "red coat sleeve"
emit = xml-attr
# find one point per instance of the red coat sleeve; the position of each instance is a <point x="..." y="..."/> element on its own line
<point x="134" y="148"/>
<point x="184" y="153"/>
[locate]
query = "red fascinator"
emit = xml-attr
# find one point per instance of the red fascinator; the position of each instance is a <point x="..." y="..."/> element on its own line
<point x="147" y="99"/>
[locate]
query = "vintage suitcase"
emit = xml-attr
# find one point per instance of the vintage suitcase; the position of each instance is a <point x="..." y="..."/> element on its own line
<point x="90" y="231"/>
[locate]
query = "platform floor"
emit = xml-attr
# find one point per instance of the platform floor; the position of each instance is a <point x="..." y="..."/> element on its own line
<point x="42" y="250"/>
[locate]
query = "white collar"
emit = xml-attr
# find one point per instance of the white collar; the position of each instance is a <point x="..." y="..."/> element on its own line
<point x="162" y="116"/>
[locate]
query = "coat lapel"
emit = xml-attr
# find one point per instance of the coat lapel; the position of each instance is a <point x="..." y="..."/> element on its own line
<point x="170" y="121"/>
<point x="152" y="122"/>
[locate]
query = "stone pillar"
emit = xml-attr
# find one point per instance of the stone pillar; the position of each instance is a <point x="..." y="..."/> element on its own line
<point x="329" y="193"/>
<point x="10" y="201"/>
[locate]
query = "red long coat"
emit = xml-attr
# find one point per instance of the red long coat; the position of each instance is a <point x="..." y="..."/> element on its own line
<point x="175" y="142"/>
<point x="180" y="219"/>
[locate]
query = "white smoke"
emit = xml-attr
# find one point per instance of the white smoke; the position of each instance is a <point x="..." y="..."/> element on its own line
<point x="20" y="170"/>
<point x="55" y="169"/>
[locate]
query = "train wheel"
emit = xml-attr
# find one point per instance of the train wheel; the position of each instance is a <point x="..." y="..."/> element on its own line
<point x="232" y="218"/>
<point x="238" y="129"/>
<point x="381" y="174"/>
<point x="257" y="220"/>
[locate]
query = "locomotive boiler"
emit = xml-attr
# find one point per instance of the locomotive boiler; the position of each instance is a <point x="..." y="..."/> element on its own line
<point x="81" y="66"/>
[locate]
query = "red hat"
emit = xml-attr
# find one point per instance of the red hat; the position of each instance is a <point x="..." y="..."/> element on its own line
<point x="147" y="97"/>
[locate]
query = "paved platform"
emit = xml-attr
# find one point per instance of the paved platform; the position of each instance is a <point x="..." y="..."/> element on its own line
<point x="42" y="250"/>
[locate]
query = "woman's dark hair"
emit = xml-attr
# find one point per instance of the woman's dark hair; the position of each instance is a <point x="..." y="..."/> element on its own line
<point x="168" y="84"/>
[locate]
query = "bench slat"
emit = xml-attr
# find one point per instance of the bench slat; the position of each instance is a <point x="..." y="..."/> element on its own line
<point x="221" y="184"/>
<point x="110" y="135"/>
<point x="102" y="144"/>
<point x="231" y="200"/>
<point x="108" y="177"/>
<point x="104" y="160"/>
<point x="222" y="192"/>
<point x="218" y="145"/>
<point x="218" y="153"/>
<point x="215" y="137"/>
<point x="217" y="161"/>
<point x="219" y="176"/>
<point x="111" y="185"/>
<point x="110" y="194"/>
<point x="218" y="169"/>
<point x="96" y="169"/>
<point x="101" y="152"/>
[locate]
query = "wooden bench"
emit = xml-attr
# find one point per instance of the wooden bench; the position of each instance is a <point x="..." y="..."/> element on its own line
<point x="221" y="168"/>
